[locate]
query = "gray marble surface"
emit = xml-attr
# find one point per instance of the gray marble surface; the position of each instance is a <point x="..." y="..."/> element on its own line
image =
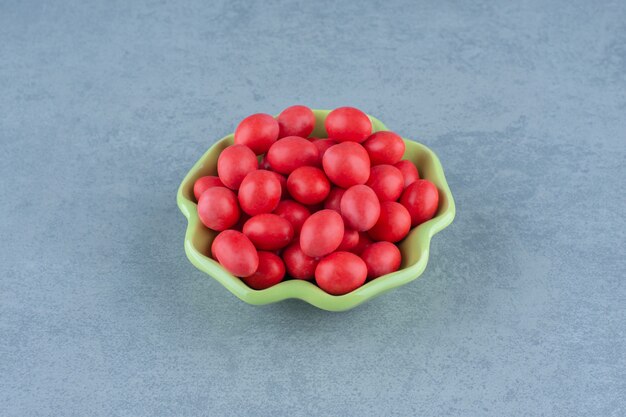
<point x="104" y="106"/>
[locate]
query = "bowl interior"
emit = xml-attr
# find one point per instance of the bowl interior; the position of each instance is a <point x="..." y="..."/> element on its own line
<point x="414" y="247"/>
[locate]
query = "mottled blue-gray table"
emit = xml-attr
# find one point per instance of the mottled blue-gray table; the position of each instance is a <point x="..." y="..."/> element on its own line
<point x="105" y="106"/>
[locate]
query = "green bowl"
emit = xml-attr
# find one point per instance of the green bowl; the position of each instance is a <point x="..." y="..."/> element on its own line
<point x="415" y="247"/>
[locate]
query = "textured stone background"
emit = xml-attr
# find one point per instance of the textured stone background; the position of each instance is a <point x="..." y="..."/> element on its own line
<point x="105" y="106"/>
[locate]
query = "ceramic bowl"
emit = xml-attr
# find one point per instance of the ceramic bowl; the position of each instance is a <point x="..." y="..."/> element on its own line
<point x="414" y="248"/>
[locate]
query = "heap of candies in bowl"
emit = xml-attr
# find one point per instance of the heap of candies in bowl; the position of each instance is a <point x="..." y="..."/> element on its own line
<point x="327" y="210"/>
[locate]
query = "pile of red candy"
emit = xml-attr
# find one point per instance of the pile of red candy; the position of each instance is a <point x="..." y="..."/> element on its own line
<point x="330" y="209"/>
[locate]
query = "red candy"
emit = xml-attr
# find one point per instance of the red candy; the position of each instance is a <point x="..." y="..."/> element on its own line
<point x="393" y="224"/>
<point x="360" y="207"/>
<point x="218" y="208"/>
<point x="293" y="212"/>
<point x="350" y="240"/>
<point x="364" y="242"/>
<point x="258" y="132"/>
<point x="347" y="164"/>
<point x="381" y="258"/>
<point x="270" y="272"/>
<point x="268" y="231"/>
<point x="296" y="121"/>
<point x="384" y="148"/>
<point x="204" y="183"/>
<point x="409" y="172"/>
<point x="308" y="185"/>
<point x="283" y="184"/>
<point x="333" y="201"/>
<point x="236" y="253"/>
<point x="299" y="265"/>
<point x="234" y="163"/>
<point x="321" y="233"/>
<point x="340" y="272"/>
<point x="348" y="124"/>
<point x="421" y="199"/>
<point x="332" y="209"/>
<point x="322" y="146"/>
<point x="290" y="153"/>
<point x="259" y="192"/>
<point x="386" y="181"/>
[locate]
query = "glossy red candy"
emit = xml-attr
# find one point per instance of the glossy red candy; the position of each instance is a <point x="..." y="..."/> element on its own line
<point x="234" y="163"/>
<point x="384" y="148"/>
<point x="218" y="208"/>
<point x="409" y="172"/>
<point x="393" y="224"/>
<point x="204" y="183"/>
<point x="340" y="273"/>
<point x="322" y="146"/>
<point x="360" y="207"/>
<point x="270" y="272"/>
<point x="283" y="184"/>
<point x="321" y="233"/>
<point x="268" y="231"/>
<point x="381" y="258"/>
<point x="258" y="132"/>
<point x="234" y="251"/>
<point x="290" y="153"/>
<point x="349" y="241"/>
<point x="364" y="242"/>
<point x="259" y="192"/>
<point x="333" y="201"/>
<point x="298" y="264"/>
<point x="348" y="124"/>
<point x="294" y="212"/>
<point x="296" y="121"/>
<point x="308" y="185"/>
<point x="386" y="181"/>
<point x="325" y="208"/>
<point x="421" y="199"/>
<point x="347" y="164"/>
